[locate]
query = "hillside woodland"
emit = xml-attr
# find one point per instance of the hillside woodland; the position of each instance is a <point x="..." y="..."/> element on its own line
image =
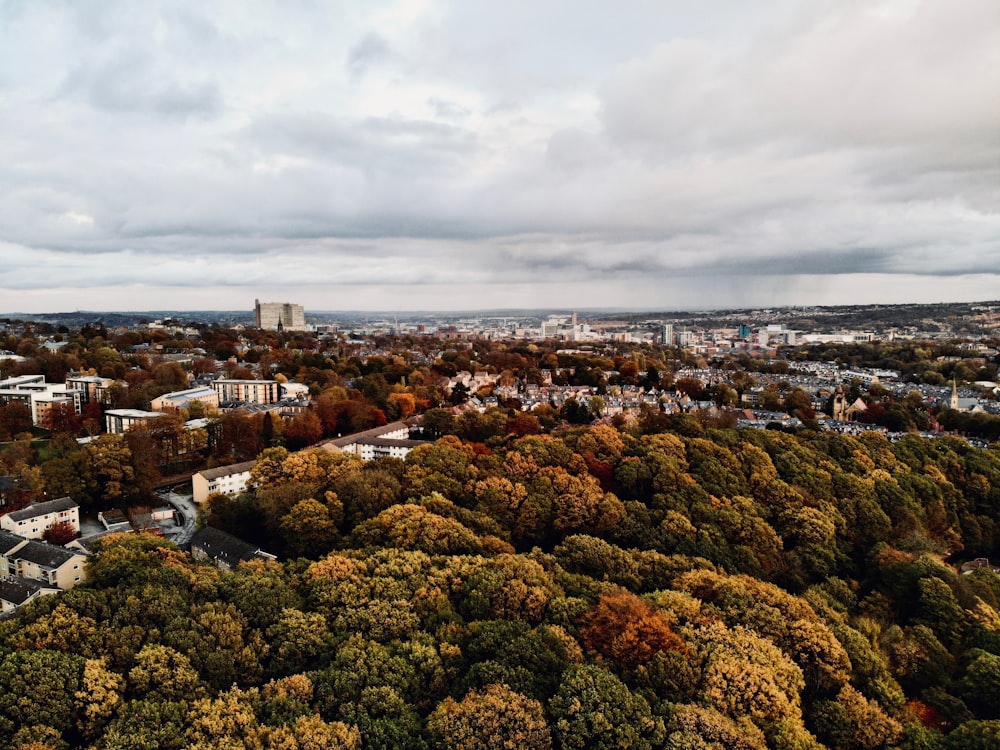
<point x="590" y="588"/>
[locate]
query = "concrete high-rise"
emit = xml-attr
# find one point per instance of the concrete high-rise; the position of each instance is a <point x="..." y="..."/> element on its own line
<point x="279" y="316"/>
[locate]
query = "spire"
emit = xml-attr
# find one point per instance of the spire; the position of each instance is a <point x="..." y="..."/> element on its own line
<point x="954" y="393"/>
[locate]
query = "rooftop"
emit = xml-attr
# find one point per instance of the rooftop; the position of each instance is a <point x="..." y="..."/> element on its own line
<point x="44" y="554"/>
<point x="223" y="547"/>
<point x="9" y="541"/>
<point x="17" y="590"/>
<point x="225" y="471"/>
<point x="368" y="435"/>
<point x="42" y="509"/>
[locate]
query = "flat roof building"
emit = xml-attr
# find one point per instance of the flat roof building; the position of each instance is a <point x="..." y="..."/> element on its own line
<point x="279" y="316"/>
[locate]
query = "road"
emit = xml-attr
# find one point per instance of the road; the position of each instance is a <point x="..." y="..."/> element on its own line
<point x="184" y="505"/>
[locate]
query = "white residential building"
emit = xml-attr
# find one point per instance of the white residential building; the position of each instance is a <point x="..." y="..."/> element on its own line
<point x="33" y="521"/>
<point x="389" y="440"/>
<point x="225" y="480"/>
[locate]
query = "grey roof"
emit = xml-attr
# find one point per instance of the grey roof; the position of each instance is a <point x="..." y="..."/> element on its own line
<point x="368" y="435"/>
<point x="44" y="554"/>
<point x="9" y="541"/>
<point x="225" y="471"/>
<point x="17" y="590"/>
<point x="223" y="547"/>
<point x="86" y="543"/>
<point x="189" y="393"/>
<point x="41" y="509"/>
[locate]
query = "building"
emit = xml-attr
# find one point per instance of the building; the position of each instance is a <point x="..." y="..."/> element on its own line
<point x="34" y="520"/>
<point x="48" y="563"/>
<point x="16" y="592"/>
<point x="117" y="421"/>
<point x="226" y="480"/>
<point x="392" y="439"/>
<point x="667" y="334"/>
<point x="39" y="561"/>
<point x="40" y="397"/>
<point x="92" y="388"/>
<point x="279" y="316"/>
<point x="183" y="399"/>
<point x="225" y="550"/>
<point x="248" y="391"/>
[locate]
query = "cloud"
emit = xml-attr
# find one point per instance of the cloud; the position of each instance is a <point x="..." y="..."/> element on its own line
<point x="430" y="147"/>
<point x="372" y="49"/>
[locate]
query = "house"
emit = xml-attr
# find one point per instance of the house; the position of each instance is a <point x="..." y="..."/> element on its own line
<point x="225" y="550"/>
<point x="378" y="447"/>
<point x="40" y="561"/>
<point x="226" y="480"/>
<point x="16" y="592"/>
<point x="8" y="543"/>
<point x="34" y="520"/>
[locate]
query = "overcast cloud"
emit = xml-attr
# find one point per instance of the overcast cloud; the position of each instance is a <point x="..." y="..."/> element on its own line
<point x="423" y="154"/>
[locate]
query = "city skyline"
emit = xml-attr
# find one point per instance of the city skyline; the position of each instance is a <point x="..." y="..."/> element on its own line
<point x="426" y="155"/>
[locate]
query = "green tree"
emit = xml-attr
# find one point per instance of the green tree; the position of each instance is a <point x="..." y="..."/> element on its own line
<point x="593" y="709"/>
<point x="308" y="529"/>
<point x="39" y="688"/>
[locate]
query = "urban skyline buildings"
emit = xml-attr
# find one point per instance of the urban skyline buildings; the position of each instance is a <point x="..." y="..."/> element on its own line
<point x="279" y="316"/>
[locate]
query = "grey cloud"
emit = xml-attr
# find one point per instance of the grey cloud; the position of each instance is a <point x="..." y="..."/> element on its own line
<point x="448" y="110"/>
<point x="371" y="144"/>
<point x="372" y="49"/>
<point x="127" y="80"/>
<point x="633" y="147"/>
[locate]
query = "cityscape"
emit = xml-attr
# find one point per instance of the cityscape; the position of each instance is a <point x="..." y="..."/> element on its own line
<point x="435" y="375"/>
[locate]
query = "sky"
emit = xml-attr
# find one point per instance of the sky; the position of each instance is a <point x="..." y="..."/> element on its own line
<point x="433" y="155"/>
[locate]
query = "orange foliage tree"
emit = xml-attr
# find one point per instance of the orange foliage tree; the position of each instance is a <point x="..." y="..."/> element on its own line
<point x="627" y="631"/>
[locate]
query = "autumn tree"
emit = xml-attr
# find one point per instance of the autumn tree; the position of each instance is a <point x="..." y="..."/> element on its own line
<point x="304" y="430"/>
<point x="60" y="533"/>
<point x="110" y="462"/>
<point x="627" y="631"/>
<point x="496" y="717"/>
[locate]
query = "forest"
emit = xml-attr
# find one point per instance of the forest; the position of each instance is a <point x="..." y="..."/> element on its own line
<point x="588" y="588"/>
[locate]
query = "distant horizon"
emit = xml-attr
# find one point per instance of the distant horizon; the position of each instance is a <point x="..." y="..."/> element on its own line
<point x="499" y="312"/>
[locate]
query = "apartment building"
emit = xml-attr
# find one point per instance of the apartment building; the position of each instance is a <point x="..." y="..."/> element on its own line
<point x="34" y="520"/>
<point x="117" y="421"/>
<point x="279" y="316"/>
<point x="249" y="391"/>
<point x="225" y="480"/>
<point x="52" y="565"/>
<point x="92" y="388"/>
<point x="183" y="399"/>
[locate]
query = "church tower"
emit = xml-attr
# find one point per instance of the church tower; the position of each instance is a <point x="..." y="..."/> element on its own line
<point x="840" y="404"/>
